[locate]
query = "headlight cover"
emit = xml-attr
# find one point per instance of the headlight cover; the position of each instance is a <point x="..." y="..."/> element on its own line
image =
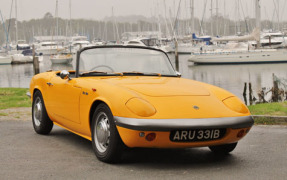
<point x="140" y="107"/>
<point x="235" y="104"/>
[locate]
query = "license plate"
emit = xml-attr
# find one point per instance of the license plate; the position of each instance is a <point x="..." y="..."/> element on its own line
<point x="196" y="135"/>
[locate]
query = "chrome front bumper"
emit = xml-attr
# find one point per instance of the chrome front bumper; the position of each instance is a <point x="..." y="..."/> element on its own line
<point x="177" y="124"/>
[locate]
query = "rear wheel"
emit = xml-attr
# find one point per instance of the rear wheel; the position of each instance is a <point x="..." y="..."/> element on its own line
<point x="41" y="121"/>
<point x="223" y="149"/>
<point x="106" y="141"/>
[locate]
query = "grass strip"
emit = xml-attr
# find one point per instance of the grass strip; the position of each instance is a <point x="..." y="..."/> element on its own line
<point x="269" y="109"/>
<point x="14" y="97"/>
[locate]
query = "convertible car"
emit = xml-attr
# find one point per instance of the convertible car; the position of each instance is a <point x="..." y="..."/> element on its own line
<point x="130" y="96"/>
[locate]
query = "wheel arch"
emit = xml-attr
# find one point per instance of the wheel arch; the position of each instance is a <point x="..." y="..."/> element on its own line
<point x="34" y="91"/>
<point x="95" y="104"/>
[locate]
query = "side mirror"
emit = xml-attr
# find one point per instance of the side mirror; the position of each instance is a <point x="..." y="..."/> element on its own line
<point x="178" y="74"/>
<point x="65" y="74"/>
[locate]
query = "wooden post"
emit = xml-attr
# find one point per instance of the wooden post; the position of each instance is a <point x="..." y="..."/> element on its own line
<point x="250" y="94"/>
<point x="244" y="93"/>
<point x="275" y="92"/>
<point x="244" y="90"/>
<point x="176" y="56"/>
<point x="35" y="62"/>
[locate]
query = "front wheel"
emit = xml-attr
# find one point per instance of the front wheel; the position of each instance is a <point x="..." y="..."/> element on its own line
<point x="106" y="140"/>
<point x="223" y="149"/>
<point x="41" y="121"/>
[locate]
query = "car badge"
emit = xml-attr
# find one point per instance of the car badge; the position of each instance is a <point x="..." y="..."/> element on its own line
<point x="196" y="107"/>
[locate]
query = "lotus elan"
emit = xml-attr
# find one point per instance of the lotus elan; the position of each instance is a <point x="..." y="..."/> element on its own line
<point x="129" y="96"/>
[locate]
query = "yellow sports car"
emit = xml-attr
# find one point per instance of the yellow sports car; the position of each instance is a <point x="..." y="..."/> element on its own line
<point x="128" y="96"/>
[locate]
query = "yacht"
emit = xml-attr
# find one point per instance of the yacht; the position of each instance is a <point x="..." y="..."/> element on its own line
<point x="260" y="55"/>
<point x="5" y="60"/>
<point x="98" y="42"/>
<point x="48" y="48"/>
<point x="240" y="57"/>
<point x="21" y="58"/>
<point x="147" y="42"/>
<point x="272" y="40"/>
<point x="78" y="42"/>
<point x="20" y="46"/>
<point x="62" y="58"/>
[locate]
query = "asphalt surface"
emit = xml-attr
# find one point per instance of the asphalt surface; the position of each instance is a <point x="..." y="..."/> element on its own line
<point x="262" y="154"/>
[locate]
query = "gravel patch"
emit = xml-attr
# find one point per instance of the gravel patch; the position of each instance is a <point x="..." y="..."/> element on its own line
<point x="16" y="114"/>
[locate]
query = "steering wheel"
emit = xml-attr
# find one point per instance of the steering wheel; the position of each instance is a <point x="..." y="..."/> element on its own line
<point x="105" y="66"/>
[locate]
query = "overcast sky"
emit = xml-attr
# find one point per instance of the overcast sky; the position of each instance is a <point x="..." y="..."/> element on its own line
<point x="98" y="9"/>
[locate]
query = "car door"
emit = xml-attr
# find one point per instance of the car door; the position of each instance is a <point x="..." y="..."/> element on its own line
<point x="63" y="100"/>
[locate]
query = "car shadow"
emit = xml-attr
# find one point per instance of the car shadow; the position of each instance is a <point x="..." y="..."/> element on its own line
<point x="179" y="157"/>
<point x="71" y="139"/>
<point x="151" y="157"/>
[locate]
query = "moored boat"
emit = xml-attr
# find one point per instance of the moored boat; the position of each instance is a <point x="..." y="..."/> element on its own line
<point x="61" y="58"/>
<point x="148" y="42"/>
<point x="48" y="48"/>
<point x="21" y="58"/>
<point x="245" y="57"/>
<point x="5" y="60"/>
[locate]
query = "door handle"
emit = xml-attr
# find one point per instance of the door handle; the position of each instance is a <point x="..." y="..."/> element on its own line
<point x="49" y="84"/>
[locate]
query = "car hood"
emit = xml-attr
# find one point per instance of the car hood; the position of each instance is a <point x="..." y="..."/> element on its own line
<point x="161" y="86"/>
<point x="172" y="97"/>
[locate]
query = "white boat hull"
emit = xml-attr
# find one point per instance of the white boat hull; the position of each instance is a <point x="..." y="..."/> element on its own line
<point x="20" y="58"/>
<point x="58" y="59"/>
<point x="46" y="51"/>
<point x="5" y="60"/>
<point x="240" y="57"/>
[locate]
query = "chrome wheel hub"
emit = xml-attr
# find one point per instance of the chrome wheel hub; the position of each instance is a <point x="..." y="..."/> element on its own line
<point x="37" y="112"/>
<point x="102" y="132"/>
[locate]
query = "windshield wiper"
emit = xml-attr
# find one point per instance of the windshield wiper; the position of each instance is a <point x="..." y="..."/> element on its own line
<point x="100" y="73"/>
<point x="152" y="74"/>
<point x="135" y="73"/>
<point x="132" y="73"/>
<point x="92" y="73"/>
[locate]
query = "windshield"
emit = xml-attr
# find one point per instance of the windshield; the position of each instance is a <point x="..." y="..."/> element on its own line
<point x="125" y="60"/>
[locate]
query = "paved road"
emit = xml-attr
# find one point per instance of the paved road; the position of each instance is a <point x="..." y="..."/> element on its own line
<point x="63" y="155"/>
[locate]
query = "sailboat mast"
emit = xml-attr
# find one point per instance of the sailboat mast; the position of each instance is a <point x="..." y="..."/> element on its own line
<point x="6" y="32"/>
<point x="224" y="16"/>
<point x="57" y="20"/>
<point x="217" y="26"/>
<point x="192" y="15"/>
<point x="16" y="22"/>
<point x="70" y="8"/>
<point x="258" y="19"/>
<point x="114" y="29"/>
<point x="238" y="15"/>
<point x="258" y="14"/>
<point x="211" y="17"/>
<point x="168" y="34"/>
<point x="278" y="15"/>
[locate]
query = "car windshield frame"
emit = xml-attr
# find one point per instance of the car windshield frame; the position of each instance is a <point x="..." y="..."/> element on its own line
<point x="78" y="74"/>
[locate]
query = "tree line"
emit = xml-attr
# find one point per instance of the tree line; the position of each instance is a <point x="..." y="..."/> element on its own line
<point x="112" y="30"/>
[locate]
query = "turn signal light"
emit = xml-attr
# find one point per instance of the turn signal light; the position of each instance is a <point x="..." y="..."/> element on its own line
<point x="150" y="137"/>
<point x="240" y="134"/>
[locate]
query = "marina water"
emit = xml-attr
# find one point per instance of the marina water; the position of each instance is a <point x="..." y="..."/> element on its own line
<point x="229" y="77"/>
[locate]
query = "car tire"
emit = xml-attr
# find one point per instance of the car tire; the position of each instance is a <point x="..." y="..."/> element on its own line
<point x="106" y="141"/>
<point x="41" y="121"/>
<point x="223" y="149"/>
